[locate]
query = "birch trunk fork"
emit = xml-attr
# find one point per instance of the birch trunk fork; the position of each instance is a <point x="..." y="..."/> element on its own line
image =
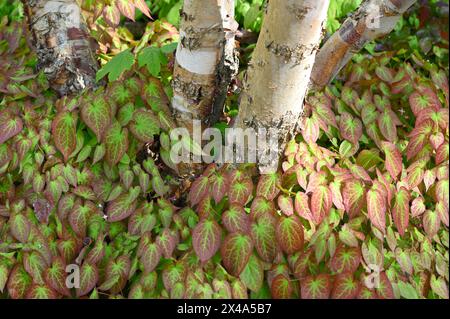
<point x="373" y="19"/>
<point x="205" y="61"/>
<point x="280" y="69"/>
<point x="63" y="47"/>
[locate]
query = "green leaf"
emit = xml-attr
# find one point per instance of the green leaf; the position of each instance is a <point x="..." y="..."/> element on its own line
<point x="253" y="274"/>
<point x="407" y="290"/>
<point x="118" y="64"/>
<point x="152" y="57"/>
<point x="144" y="125"/>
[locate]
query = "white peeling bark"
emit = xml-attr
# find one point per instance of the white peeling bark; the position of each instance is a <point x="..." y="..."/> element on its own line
<point x="374" y="19"/>
<point x="205" y="61"/>
<point x="64" y="49"/>
<point x="280" y="69"/>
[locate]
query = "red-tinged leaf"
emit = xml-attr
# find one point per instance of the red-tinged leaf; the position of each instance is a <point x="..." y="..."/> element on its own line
<point x="142" y="6"/>
<point x="345" y="287"/>
<point x="236" y="250"/>
<point x="19" y="282"/>
<point x="268" y="186"/>
<point x="442" y="193"/>
<point x="400" y="211"/>
<point x="126" y="7"/>
<point x="417" y="207"/>
<point x="439" y="286"/>
<point x="301" y="265"/>
<point x="35" y="265"/>
<point x="199" y="189"/>
<point x="263" y="233"/>
<point x="423" y="100"/>
<point x="9" y="126"/>
<point x="240" y="191"/>
<point x="415" y="177"/>
<point x="88" y="279"/>
<point x="384" y="288"/>
<point x="336" y="195"/>
<point x="281" y="287"/>
<point x="20" y="227"/>
<point x="289" y="233"/>
<point x="302" y="175"/>
<point x="415" y="145"/>
<point x="404" y="260"/>
<point x="311" y="130"/>
<point x="436" y="140"/>
<point x="120" y="208"/>
<point x="376" y="209"/>
<point x="118" y="268"/>
<point x="393" y="161"/>
<point x="64" y="133"/>
<point x="167" y="241"/>
<point x="111" y="15"/>
<point x="150" y="257"/>
<point x="5" y="154"/>
<point x="366" y="293"/>
<point x="316" y="179"/>
<point x="345" y="259"/>
<point x="68" y="249"/>
<point x="261" y="206"/>
<point x="55" y="277"/>
<point x="350" y="128"/>
<point x="285" y="204"/>
<point x="206" y="238"/>
<point x="428" y="178"/>
<point x="116" y="143"/>
<point x="219" y="186"/>
<point x="238" y="290"/>
<point x="360" y="173"/>
<point x="387" y="122"/>
<point x="325" y="113"/>
<point x="172" y="274"/>
<point x="253" y="274"/>
<point x="302" y="206"/>
<point x="144" y="125"/>
<point x="431" y="223"/>
<point x="205" y="208"/>
<point x="321" y="202"/>
<point x="354" y="195"/>
<point x="384" y="73"/>
<point x="96" y="114"/>
<point x="442" y="213"/>
<point x="97" y="252"/>
<point x="41" y="291"/>
<point x="78" y="219"/>
<point x="316" y="287"/>
<point x="442" y="153"/>
<point x="235" y="219"/>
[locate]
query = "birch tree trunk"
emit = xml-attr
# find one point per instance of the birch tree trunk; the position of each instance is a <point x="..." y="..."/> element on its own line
<point x="280" y="69"/>
<point x="63" y="47"/>
<point x="373" y="19"/>
<point x="205" y="61"/>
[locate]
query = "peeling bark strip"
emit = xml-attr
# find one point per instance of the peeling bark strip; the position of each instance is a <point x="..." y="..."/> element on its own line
<point x="280" y="69"/>
<point x="374" y="19"/>
<point x="63" y="46"/>
<point x="205" y="60"/>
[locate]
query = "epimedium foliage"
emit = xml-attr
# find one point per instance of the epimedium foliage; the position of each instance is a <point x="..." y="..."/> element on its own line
<point x="87" y="180"/>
